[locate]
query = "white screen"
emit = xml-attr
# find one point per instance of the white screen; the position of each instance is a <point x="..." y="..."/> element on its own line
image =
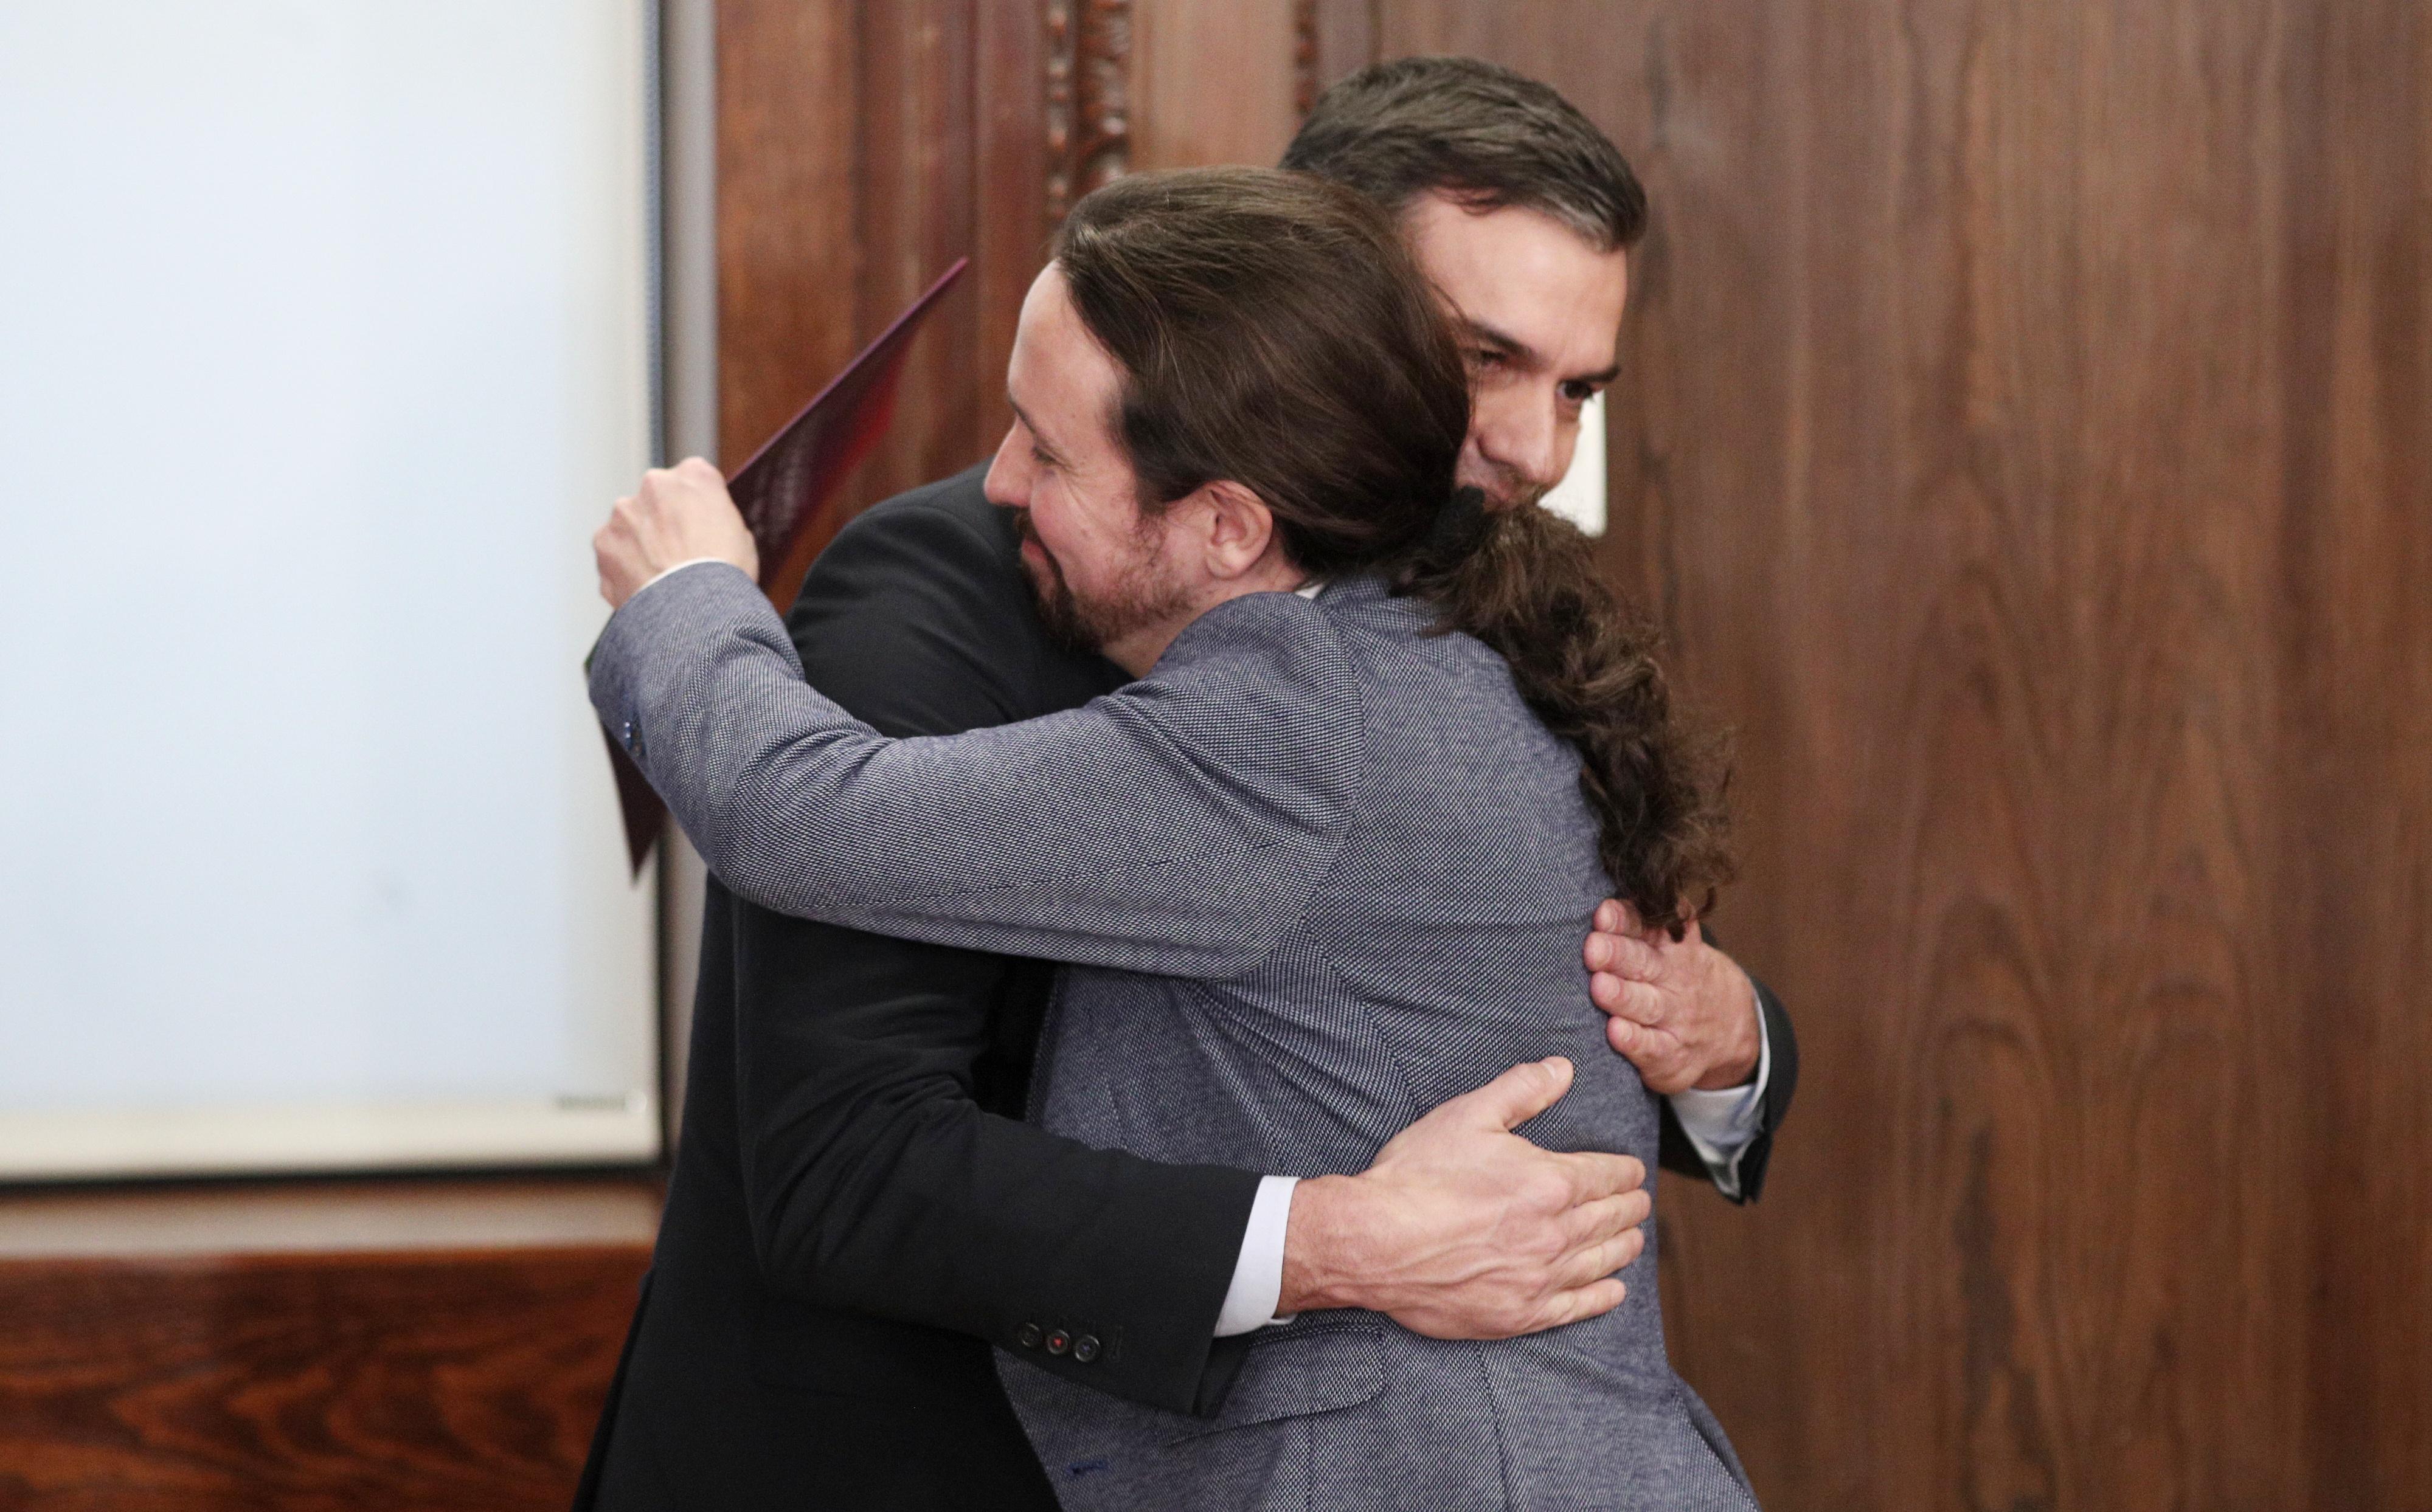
<point x="325" y="346"/>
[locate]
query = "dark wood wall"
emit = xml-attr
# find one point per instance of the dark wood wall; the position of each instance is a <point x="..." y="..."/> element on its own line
<point x="2024" y="436"/>
<point x="861" y="150"/>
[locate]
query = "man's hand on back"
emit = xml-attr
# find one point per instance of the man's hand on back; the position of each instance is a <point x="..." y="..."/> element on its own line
<point x="1462" y="1229"/>
<point x="1683" y="1012"/>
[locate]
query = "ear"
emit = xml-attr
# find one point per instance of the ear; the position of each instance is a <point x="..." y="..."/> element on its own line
<point x="1234" y="528"/>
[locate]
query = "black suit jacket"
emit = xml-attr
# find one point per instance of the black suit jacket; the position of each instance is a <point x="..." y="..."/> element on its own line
<point x="856" y="1214"/>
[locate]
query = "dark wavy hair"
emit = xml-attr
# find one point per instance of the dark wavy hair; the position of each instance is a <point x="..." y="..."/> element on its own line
<point x="1272" y="329"/>
<point x="1477" y="131"/>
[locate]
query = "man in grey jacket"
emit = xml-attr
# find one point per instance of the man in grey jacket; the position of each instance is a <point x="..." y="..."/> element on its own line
<point x="1318" y="866"/>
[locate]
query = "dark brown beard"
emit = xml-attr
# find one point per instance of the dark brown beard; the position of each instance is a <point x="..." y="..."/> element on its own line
<point x="1052" y="598"/>
<point x="1509" y="491"/>
<point x="1088" y="627"/>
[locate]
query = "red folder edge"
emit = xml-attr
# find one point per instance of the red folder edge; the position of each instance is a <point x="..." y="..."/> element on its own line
<point x="866" y="393"/>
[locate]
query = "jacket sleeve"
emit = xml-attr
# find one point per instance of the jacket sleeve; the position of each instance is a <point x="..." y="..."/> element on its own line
<point x="874" y="1180"/>
<point x="1675" y="1154"/>
<point x="1778" y="1091"/>
<point x="1175" y="827"/>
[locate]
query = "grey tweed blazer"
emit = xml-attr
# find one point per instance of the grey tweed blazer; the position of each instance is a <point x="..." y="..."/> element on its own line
<point x="1317" y="872"/>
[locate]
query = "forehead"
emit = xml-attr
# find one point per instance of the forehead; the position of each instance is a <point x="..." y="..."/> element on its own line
<point x="1524" y="274"/>
<point x="1064" y="382"/>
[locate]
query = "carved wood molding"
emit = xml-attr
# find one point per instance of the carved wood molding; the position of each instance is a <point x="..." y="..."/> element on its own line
<point x="1331" y="39"/>
<point x="1089" y="125"/>
<point x="1303" y="55"/>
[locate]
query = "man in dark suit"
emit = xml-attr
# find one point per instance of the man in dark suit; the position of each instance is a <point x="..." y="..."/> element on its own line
<point x="856" y="1214"/>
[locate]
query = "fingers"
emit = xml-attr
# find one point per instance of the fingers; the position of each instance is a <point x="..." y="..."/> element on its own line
<point x="1596" y="1261"/>
<point x="1607" y="991"/>
<point x="1601" y="1222"/>
<point x="615" y="552"/>
<point x="1602" y="1239"/>
<point x="1614" y="917"/>
<point x="1595" y="1174"/>
<point x="1518" y="1095"/>
<point x="666" y="490"/>
<point x="1592" y="1301"/>
<point x="1661" y="1062"/>
<point x="657" y="505"/>
<point x="691" y="475"/>
<point x="682" y="513"/>
<point x="622" y="535"/>
<point x="1630" y="1040"/>
<point x="1624" y="955"/>
<point x="1637" y="1001"/>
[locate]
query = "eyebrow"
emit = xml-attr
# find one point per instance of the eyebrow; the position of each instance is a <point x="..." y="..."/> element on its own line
<point x="1487" y="335"/>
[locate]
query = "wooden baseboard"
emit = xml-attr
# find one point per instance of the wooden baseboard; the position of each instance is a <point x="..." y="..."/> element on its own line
<point x="365" y="1345"/>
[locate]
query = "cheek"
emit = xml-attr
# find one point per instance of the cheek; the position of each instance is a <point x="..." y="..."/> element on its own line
<point x="1493" y="403"/>
<point x="1092" y="550"/>
<point x="1055" y="520"/>
<point x="1566" y="440"/>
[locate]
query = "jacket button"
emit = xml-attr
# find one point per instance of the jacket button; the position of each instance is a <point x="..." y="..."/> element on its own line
<point x="1058" y="1342"/>
<point x="1085" y="1349"/>
<point x="1027" y="1336"/>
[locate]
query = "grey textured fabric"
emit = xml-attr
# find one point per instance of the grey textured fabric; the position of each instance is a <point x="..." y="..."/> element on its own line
<point x="1317" y="873"/>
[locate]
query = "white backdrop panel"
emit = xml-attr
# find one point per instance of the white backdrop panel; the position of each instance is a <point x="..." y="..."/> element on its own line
<point x="324" y="345"/>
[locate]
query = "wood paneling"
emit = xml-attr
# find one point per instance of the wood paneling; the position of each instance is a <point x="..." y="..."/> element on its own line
<point x="313" y="1349"/>
<point x="916" y="215"/>
<point x="862" y="149"/>
<point x="1181" y="50"/>
<point x="1008" y="196"/>
<point x="788" y="211"/>
<point x="1335" y="38"/>
<point x="2355" y="565"/>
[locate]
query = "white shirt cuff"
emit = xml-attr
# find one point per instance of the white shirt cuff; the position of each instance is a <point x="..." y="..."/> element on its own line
<point x="1722" y="1123"/>
<point x="1258" y="1275"/>
<point x="690" y="562"/>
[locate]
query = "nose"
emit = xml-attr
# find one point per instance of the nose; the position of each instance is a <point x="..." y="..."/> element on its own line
<point x="1520" y="432"/>
<point x="1007" y="485"/>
